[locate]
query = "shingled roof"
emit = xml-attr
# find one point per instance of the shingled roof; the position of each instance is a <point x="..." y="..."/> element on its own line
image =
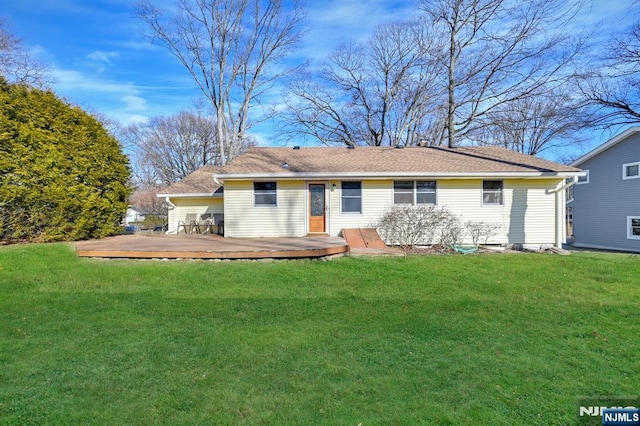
<point x="372" y="161"/>
<point x="199" y="182"/>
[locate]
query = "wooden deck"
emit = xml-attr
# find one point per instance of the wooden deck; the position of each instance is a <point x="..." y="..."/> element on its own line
<point x="160" y="246"/>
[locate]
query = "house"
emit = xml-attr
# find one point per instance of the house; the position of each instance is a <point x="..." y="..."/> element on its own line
<point x="133" y="216"/>
<point x="299" y="191"/>
<point x="196" y="195"/>
<point x="606" y="202"/>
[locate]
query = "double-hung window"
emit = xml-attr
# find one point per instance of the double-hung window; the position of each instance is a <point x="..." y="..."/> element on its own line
<point x="633" y="227"/>
<point x="492" y="192"/>
<point x="414" y="192"/>
<point x="351" y="197"/>
<point x="264" y="194"/>
<point x="631" y="170"/>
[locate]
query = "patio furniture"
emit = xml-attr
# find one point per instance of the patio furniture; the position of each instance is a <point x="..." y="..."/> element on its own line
<point x="207" y="223"/>
<point x="218" y="220"/>
<point x="193" y="224"/>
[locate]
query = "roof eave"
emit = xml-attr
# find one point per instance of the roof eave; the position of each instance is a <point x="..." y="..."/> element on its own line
<point x="194" y="195"/>
<point x="390" y="175"/>
<point x="611" y="142"/>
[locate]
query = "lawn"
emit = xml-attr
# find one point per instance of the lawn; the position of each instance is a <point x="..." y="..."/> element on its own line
<point x="500" y="339"/>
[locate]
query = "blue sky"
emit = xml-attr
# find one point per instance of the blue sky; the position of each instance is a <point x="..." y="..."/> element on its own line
<point x="101" y="61"/>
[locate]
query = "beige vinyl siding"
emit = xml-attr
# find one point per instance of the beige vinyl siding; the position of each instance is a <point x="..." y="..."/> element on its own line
<point x="527" y="215"/>
<point x="197" y="206"/>
<point x="464" y="199"/>
<point x="377" y="195"/>
<point x="534" y="204"/>
<point x="243" y="219"/>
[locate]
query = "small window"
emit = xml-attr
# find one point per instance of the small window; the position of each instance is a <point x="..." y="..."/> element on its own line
<point x="351" y="197"/>
<point x="631" y="171"/>
<point x="633" y="227"/>
<point x="414" y="192"/>
<point x="264" y="193"/>
<point x="492" y="192"/>
<point x="583" y="179"/>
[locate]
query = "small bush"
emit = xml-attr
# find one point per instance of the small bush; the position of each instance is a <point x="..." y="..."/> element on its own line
<point x="480" y="232"/>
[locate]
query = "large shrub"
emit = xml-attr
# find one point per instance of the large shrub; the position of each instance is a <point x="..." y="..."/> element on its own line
<point x="408" y="226"/>
<point x="62" y="176"/>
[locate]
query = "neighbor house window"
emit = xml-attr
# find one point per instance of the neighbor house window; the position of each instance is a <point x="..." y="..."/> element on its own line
<point x="633" y="227"/>
<point x="264" y="193"/>
<point x="414" y="192"/>
<point x="583" y="179"/>
<point x="351" y="197"/>
<point x="492" y="192"/>
<point x="631" y="171"/>
<point x="569" y="191"/>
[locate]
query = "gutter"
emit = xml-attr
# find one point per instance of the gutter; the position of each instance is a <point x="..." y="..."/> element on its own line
<point x="219" y="178"/>
<point x="561" y="209"/>
<point x="171" y="206"/>
<point x="565" y="186"/>
<point x="194" y="195"/>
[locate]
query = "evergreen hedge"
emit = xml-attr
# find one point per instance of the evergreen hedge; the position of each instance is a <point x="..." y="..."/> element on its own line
<point x="62" y="175"/>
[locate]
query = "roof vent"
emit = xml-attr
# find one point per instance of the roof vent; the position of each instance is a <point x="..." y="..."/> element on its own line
<point x="422" y="143"/>
<point x="285" y="165"/>
<point x="297" y="148"/>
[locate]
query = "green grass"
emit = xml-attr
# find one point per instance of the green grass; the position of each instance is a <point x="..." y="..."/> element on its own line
<point x="491" y="339"/>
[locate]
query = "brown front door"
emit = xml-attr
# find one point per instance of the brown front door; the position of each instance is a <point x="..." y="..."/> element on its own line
<point x="316" y="207"/>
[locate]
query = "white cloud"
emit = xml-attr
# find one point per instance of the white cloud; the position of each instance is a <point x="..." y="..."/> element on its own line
<point x="135" y="103"/>
<point x="121" y="100"/>
<point x="100" y="60"/>
<point x="100" y="56"/>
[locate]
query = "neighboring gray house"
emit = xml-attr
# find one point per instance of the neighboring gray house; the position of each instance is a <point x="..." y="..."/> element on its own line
<point x="606" y="202"/>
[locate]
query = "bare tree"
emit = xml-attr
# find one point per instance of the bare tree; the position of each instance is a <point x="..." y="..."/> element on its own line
<point x="232" y="49"/>
<point x="613" y="85"/>
<point x="16" y="65"/>
<point x="497" y="52"/>
<point x="168" y="148"/>
<point x="534" y="124"/>
<point x="146" y="201"/>
<point x="376" y="93"/>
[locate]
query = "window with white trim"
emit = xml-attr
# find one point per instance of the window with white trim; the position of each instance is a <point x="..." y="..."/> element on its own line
<point x="583" y="179"/>
<point x="492" y="192"/>
<point x="265" y="194"/>
<point x="633" y="227"/>
<point x="351" y="197"/>
<point x="414" y="192"/>
<point x="631" y="171"/>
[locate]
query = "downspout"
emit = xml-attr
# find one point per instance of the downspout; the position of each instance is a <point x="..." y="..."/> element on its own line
<point x="171" y="206"/>
<point x="561" y="210"/>
<point x="224" y="205"/>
